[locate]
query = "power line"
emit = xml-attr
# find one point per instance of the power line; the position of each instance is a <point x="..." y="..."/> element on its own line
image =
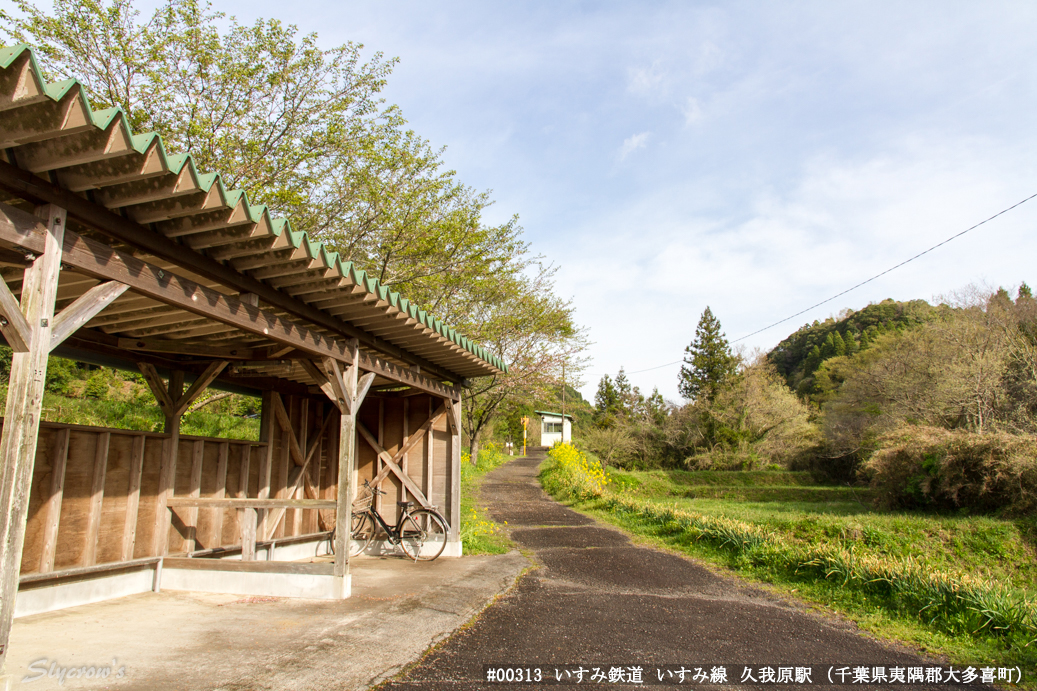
<point x="892" y="268"/>
<point x="656" y="367"/>
<point x="865" y="282"/>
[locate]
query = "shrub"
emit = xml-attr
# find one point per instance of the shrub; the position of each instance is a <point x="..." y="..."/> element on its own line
<point x="573" y="474"/>
<point x="950" y="469"/>
<point x="99" y="384"/>
<point x="60" y="373"/>
<point x="614" y="445"/>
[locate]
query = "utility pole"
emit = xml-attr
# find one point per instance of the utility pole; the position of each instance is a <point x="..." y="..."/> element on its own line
<point x="563" y="401"/>
<point x="525" y="423"/>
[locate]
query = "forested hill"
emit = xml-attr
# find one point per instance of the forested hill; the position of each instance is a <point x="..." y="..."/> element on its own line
<point x="798" y="356"/>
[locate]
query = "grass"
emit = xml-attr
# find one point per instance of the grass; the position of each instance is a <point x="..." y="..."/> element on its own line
<point x="958" y="586"/>
<point x="757" y="485"/>
<point x="144" y="417"/>
<point x="479" y="534"/>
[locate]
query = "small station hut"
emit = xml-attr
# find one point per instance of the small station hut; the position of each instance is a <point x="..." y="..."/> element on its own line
<point x="114" y="252"/>
<point x="555" y="427"/>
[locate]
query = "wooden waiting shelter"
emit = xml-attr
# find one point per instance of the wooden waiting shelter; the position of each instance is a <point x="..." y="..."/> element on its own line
<point x="114" y="252"/>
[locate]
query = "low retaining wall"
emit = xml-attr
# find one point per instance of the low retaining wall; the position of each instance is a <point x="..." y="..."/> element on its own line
<point x="285" y="577"/>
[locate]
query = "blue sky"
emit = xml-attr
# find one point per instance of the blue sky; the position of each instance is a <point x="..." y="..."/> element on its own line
<point x="753" y="157"/>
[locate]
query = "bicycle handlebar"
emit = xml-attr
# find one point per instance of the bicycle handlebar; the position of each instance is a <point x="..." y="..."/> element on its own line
<point x="373" y="489"/>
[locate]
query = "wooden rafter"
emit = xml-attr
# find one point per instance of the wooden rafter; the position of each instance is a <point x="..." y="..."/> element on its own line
<point x="126" y="230"/>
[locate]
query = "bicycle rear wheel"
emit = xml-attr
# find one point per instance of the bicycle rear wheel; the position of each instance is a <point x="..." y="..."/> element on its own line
<point x="423" y="535"/>
<point x="362" y="533"/>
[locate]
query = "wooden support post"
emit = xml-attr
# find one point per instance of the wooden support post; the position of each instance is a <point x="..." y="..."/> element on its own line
<point x="453" y="516"/>
<point x="174" y="403"/>
<point x="403" y="444"/>
<point x="22" y="416"/>
<point x="93" y="521"/>
<point x="129" y="531"/>
<point x="248" y="533"/>
<point x="58" y="459"/>
<point x="170" y="451"/>
<point x="379" y="463"/>
<point x="349" y="406"/>
<point x="266" y="435"/>
<point x="430" y="453"/>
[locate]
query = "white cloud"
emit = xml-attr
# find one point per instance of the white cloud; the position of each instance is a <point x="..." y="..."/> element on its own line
<point x="645" y="81"/>
<point x="840" y="222"/>
<point x="632" y="144"/>
<point x="692" y="111"/>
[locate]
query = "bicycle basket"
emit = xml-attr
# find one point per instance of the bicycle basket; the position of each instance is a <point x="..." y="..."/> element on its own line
<point x="364" y="499"/>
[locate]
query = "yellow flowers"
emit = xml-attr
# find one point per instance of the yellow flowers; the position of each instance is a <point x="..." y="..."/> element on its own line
<point x="577" y="475"/>
<point x="474" y="527"/>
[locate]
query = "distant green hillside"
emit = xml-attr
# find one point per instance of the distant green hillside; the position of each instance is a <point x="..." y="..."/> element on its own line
<point x="798" y="356"/>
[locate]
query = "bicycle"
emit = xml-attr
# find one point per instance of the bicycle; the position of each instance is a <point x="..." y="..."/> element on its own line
<point x="421" y="533"/>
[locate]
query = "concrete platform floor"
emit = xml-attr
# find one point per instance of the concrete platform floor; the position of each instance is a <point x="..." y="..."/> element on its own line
<point x="179" y="640"/>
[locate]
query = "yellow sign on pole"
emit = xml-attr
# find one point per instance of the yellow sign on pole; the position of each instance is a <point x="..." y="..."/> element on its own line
<point x="525" y="424"/>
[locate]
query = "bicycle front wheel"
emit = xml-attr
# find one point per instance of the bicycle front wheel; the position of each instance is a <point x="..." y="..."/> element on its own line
<point x="423" y="535"/>
<point x="363" y="532"/>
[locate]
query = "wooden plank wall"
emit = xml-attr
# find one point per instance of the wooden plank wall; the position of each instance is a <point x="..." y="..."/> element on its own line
<point x="93" y="497"/>
<point x="94" y="490"/>
<point x="310" y="425"/>
<point x="384" y="417"/>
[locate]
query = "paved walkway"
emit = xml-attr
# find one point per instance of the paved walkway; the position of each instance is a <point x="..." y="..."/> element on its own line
<point x="600" y="601"/>
<point x="191" y="641"/>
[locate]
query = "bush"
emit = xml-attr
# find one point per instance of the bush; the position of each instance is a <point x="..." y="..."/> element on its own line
<point x="614" y="445"/>
<point x="930" y="467"/>
<point x="99" y="384"/>
<point x="574" y="474"/>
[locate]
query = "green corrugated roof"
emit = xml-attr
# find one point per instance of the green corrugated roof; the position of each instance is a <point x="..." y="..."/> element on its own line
<point x="175" y="163"/>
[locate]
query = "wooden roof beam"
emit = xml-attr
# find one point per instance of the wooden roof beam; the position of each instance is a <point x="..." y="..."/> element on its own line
<point x="36" y="189"/>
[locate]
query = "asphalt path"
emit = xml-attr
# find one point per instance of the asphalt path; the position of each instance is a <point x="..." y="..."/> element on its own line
<point x="599" y="603"/>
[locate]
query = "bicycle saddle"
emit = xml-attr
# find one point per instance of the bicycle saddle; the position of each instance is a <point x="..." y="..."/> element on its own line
<point x="405" y="504"/>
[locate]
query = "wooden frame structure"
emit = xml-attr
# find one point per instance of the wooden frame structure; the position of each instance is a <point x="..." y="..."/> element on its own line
<point x="116" y="253"/>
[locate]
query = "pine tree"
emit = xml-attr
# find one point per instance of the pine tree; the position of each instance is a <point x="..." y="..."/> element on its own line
<point x="813" y="360"/>
<point x="840" y="345"/>
<point x="851" y="343"/>
<point x="708" y="361"/>
<point x="655" y="407"/>
<point x="1024" y="293"/>
<point x="828" y="349"/>
<point x="606" y="400"/>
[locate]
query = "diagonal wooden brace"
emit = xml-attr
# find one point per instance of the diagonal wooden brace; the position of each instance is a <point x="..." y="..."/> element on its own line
<point x="16" y="330"/>
<point x="298" y="477"/>
<point x="391" y="462"/>
<point x="85" y="308"/>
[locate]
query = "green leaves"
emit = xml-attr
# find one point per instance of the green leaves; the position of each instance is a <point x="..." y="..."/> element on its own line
<point x="305" y="130"/>
<point x="708" y="361"/>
